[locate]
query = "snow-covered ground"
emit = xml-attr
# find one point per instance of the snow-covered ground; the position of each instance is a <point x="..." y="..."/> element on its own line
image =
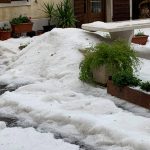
<point x="51" y="98"/>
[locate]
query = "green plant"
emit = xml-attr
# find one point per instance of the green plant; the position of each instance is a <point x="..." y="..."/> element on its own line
<point x="48" y="8"/>
<point x="65" y="15"/>
<point x="20" y="19"/>
<point x="145" y="86"/>
<point x="139" y="33"/>
<point x="5" y="27"/>
<point x="85" y="68"/>
<point x="125" y="78"/>
<point x="117" y="56"/>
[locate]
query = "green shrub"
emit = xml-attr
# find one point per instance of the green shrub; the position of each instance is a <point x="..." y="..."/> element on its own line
<point x="117" y="57"/>
<point x="145" y="86"/>
<point x="5" y="27"/>
<point x="20" y="19"/>
<point x="140" y="33"/>
<point x="65" y="15"/>
<point x="85" y="68"/>
<point x="48" y="8"/>
<point x="125" y="78"/>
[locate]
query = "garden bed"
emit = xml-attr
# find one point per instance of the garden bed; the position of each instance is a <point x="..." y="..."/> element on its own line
<point x="131" y="95"/>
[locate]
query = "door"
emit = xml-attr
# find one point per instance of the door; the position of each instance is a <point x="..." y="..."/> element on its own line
<point x="121" y="10"/>
<point x="89" y="10"/>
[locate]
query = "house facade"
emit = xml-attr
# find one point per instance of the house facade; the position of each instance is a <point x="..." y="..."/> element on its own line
<point x="85" y="10"/>
<point x="111" y="10"/>
<point x="31" y="8"/>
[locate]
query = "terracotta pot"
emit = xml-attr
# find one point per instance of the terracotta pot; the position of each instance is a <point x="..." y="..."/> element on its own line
<point x="4" y="35"/>
<point x="22" y="28"/>
<point x="48" y="28"/>
<point x="140" y="39"/>
<point x="101" y="75"/>
<point x="131" y="95"/>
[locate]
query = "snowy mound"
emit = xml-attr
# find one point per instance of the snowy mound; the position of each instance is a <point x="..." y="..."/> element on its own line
<point x="16" y="139"/>
<point x="54" y="54"/>
<point x="57" y="100"/>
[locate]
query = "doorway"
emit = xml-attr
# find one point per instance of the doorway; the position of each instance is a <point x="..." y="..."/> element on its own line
<point x="141" y="9"/>
<point x="87" y="11"/>
<point x="121" y="10"/>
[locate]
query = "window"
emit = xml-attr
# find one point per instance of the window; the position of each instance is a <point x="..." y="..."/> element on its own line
<point x="5" y="1"/>
<point x="96" y="6"/>
<point x="9" y="3"/>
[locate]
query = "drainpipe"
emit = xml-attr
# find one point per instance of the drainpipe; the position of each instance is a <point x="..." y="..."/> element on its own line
<point x="131" y="9"/>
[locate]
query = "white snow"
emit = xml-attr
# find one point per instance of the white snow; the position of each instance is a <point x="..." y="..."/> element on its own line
<point x="23" y="139"/>
<point x="52" y="98"/>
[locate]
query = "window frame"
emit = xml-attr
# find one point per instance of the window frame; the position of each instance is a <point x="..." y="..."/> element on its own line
<point x="16" y="3"/>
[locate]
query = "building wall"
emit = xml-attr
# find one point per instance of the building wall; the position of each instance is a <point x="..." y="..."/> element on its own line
<point x="33" y="10"/>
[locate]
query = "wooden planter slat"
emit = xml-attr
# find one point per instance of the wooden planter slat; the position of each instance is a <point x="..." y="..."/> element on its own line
<point x="131" y="95"/>
<point x="4" y="35"/>
<point x="22" y="28"/>
<point x="140" y="39"/>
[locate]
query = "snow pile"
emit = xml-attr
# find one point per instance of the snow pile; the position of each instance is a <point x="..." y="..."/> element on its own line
<point x="46" y="58"/>
<point x="25" y="139"/>
<point x="57" y="100"/>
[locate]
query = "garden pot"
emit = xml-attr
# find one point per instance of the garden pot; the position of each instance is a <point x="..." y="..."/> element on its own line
<point x="48" y="28"/>
<point x="101" y="75"/>
<point x="4" y="35"/>
<point x="140" y="39"/>
<point x="22" y="28"/>
<point x="130" y="94"/>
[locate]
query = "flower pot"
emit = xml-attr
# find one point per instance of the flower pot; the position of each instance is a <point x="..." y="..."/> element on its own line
<point x="129" y="94"/>
<point x="48" y="28"/>
<point x="4" y="35"/>
<point x="140" y="39"/>
<point x="22" y="28"/>
<point x="101" y="75"/>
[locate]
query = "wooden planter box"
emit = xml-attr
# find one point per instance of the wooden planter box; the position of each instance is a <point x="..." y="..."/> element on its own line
<point x="131" y="95"/>
<point x="4" y="35"/>
<point x="140" y="39"/>
<point x="22" y="28"/>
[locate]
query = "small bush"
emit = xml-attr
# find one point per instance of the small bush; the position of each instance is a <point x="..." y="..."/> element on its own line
<point x="65" y="15"/>
<point x="5" y="27"/>
<point x="125" y="78"/>
<point x="20" y="19"/>
<point x="145" y="86"/>
<point x="85" y="68"/>
<point x="117" y="57"/>
<point x="48" y="9"/>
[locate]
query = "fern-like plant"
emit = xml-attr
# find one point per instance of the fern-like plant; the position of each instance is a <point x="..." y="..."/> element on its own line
<point x="117" y="56"/>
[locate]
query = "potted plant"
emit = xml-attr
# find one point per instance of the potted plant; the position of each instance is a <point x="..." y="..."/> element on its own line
<point x="104" y="59"/>
<point x="125" y="85"/>
<point x="5" y="32"/>
<point x="48" y="9"/>
<point x="140" y="38"/>
<point x="65" y="15"/>
<point x="21" y="24"/>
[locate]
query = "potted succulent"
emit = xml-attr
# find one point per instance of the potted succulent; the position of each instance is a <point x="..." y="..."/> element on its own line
<point x="5" y="32"/>
<point x="105" y="59"/>
<point x="140" y="38"/>
<point x="21" y="24"/>
<point x="48" y="9"/>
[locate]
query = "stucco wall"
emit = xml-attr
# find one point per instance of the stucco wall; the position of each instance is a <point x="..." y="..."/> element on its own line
<point x="33" y="10"/>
